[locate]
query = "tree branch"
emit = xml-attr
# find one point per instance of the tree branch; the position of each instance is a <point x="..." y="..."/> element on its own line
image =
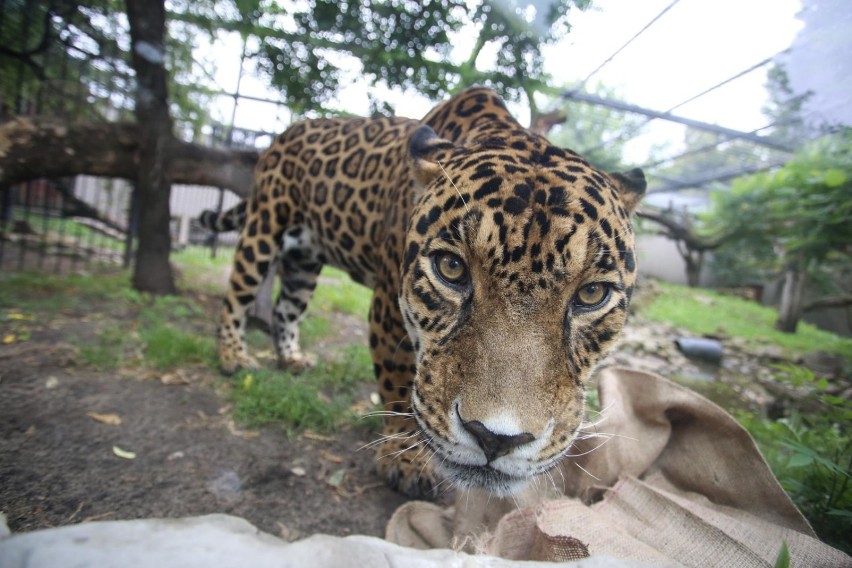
<point x="679" y="232"/>
<point x="832" y="302"/>
<point x="110" y="150"/>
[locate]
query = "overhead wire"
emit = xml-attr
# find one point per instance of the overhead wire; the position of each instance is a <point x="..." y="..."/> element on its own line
<point x="631" y="131"/>
<point x="582" y="83"/>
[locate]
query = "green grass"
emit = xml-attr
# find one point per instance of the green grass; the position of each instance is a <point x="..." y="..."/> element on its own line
<point x="317" y="399"/>
<point x="737" y="317"/>
<point x="43" y="292"/>
<point x="107" y="351"/>
<point x="339" y="293"/>
<point x="166" y="347"/>
<point x="52" y="228"/>
<point x="198" y="271"/>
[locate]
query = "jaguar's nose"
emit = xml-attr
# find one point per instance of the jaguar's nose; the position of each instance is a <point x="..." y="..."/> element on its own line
<point x="495" y="445"/>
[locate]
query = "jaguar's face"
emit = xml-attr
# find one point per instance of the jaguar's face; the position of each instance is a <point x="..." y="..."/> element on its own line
<point x="518" y="270"/>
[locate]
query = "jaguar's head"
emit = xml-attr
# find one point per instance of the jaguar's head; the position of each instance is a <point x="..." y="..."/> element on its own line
<point x="518" y="269"/>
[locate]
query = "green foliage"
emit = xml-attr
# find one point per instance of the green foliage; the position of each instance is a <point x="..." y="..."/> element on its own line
<point x="72" y="57"/>
<point x="688" y="308"/>
<point x="304" y="47"/>
<point x="803" y="209"/>
<point x="783" y="558"/>
<point x="811" y="455"/>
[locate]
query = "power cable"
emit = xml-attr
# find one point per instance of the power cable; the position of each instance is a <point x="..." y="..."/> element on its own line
<point x="582" y="83"/>
<point x="630" y="132"/>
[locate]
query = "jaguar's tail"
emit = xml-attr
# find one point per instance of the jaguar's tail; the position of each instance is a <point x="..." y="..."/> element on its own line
<point x="231" y="220"/>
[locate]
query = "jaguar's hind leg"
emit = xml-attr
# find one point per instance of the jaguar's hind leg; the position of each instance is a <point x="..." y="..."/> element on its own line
<point x="255" y="251"/>
<point x="298" y="270"/>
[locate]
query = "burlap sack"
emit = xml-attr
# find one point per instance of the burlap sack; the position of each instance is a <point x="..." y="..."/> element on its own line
<point x="671" y="480"/>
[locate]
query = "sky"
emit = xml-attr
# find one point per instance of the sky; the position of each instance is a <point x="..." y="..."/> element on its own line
<point x="693" y="46"/>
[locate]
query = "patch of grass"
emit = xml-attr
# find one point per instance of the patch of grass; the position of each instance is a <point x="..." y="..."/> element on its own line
<point x="339" y="293"/>
<point x="166" y="347"/>
<point x="107" y="351"/>
<point x="317" y="399"/>
<point x="313" y="328"/>
<point x="704" y="311"/>
<point x="198" y="271"/>
<point x="49" y="292"/>
<point x="159" y="310"/>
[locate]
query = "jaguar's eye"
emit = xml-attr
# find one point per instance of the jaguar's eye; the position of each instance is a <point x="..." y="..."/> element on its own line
<point x="591" y="296"/>
<point x="450" y="268"/>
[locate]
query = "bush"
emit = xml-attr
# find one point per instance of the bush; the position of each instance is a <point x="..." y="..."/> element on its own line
<point x="811" y="455"/>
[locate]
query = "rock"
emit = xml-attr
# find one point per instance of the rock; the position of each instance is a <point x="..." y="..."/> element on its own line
<point x="701" y="349"/>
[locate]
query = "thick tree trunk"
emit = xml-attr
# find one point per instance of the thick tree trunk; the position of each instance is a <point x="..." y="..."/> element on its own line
<point x="792" y="296"/>
<point x="152" y="271"/>
<point x="110" y="150"/>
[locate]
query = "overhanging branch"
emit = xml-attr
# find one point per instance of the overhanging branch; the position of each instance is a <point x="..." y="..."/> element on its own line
<point x="32" y="148"/>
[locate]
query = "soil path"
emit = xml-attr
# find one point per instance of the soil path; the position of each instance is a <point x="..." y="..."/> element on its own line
<point x="58" y="466"/>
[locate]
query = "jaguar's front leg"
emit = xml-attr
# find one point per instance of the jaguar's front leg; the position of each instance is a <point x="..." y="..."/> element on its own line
<point x="402" y="457"/>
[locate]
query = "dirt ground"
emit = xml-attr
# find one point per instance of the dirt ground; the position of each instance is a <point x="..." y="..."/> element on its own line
<point x="59" y="463"/>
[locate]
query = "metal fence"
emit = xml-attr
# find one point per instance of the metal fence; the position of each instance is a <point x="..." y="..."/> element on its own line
<point x="63" y="225"/>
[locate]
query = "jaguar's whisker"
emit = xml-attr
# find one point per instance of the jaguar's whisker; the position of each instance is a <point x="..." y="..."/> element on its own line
<point x="466" y="208"/>
<point x="587" y="472"/>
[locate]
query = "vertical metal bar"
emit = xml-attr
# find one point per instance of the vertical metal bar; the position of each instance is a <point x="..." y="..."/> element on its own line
<point x="24" y="226"/>
<point x="63" y="223"/>
<point x="5" y="217"/>
<point x="215" y="242"/>
<point x="131" y="227"/>
<point x="45" y="186"/>
<point x="229" y="137"/>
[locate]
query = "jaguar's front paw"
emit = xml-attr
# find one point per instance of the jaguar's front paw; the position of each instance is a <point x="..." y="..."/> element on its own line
<point x="297" y="361"/>
<point x="230" y="363"/>
<point x="407" y="467"/>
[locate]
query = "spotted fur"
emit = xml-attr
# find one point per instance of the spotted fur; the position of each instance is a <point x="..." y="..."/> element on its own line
<point x="502" y="267"/>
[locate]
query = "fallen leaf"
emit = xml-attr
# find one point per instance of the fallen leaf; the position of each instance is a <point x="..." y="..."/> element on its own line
<point x="111" y="419"/>
<point x="51" y="383"/>
<point x="309" y="435"/>
<point x="331" y="457"/>
<point x="97" y="517"/>
<point x="265" y="354"/>
<point x="298" y="471"/>
<point x="124" y="454"/>
<point x="10" y="338"/>
<point x="20" y="317"/>
<point x="232" y="428"/>
<point x="375" y="398"/>
<point x="176" y="378"/>
<point x="336" y="478"/>
<point x="284" y="531"/>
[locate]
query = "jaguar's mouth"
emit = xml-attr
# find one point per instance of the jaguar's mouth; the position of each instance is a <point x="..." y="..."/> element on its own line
<point x="485" y="477"/>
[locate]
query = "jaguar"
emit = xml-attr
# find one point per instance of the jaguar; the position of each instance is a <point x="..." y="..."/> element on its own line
<point x="501" y="267"/>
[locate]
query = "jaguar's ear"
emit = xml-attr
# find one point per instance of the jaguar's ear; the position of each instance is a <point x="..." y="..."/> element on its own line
<point x="631" y="185"/>
<point x="426" y="149"/>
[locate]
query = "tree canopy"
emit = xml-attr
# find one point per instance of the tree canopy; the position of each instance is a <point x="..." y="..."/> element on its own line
<point x="800" y="211"/>
<point x="803" y="208"/>
<point x="307" y="48"/>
